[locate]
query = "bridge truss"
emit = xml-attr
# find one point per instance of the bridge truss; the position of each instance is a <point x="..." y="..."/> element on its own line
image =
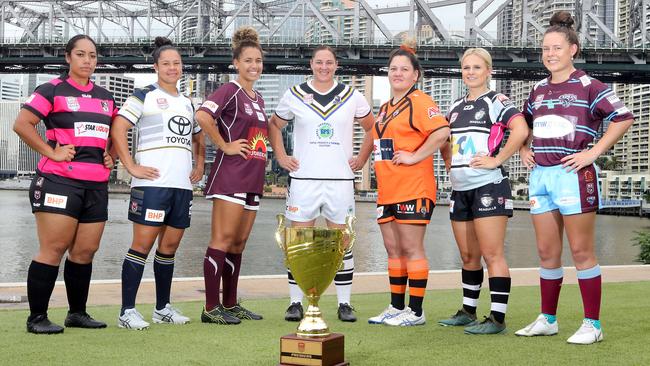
<point x="33" y="34"/>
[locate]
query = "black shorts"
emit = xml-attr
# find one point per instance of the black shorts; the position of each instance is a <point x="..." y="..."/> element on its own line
<point x="157" y="206"/>
<point x="417" y="211"/>
<point x="85" y="205"/>
<point x="494" y="199"/>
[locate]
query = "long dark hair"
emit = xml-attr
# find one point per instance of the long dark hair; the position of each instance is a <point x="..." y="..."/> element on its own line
<point x="73" y="42"/>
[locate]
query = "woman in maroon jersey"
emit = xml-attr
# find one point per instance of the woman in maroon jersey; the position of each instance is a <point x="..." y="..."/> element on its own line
<point x="69" y="195"/>
<point x="234" y="118"/>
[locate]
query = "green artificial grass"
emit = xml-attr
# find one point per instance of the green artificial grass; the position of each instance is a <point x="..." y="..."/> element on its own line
<point x="624" y="317"/>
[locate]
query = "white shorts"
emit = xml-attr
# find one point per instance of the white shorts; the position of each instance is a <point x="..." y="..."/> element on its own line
<point x="308" y="199"/>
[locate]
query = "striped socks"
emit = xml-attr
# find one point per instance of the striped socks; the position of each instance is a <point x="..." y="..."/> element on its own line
<point x="472" y="280"/>
<point x="398" y="277"/>
<point x="418" y="274"/>
<point x="343" y="279"/>
<point x="499" y="294"/>
<point x="132" y="269"/>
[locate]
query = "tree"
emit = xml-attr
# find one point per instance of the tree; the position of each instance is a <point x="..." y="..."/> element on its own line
<point x="522" y="180"/>
<point x="646" y="195"/>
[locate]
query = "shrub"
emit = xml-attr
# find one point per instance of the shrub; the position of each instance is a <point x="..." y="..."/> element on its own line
<point x="642" y="239"/>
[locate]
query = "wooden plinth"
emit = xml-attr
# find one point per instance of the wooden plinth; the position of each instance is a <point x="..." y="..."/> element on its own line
<point x="305" y="351"/>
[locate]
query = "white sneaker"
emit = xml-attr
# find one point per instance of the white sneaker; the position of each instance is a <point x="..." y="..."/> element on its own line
<point x="169" y="315"/>
<point x="132" y="319"/>
<point x="406" y="318"/>
<point x="586" y="334"/>
<point x="388" y="313"/>
<point x="540" y="327"/>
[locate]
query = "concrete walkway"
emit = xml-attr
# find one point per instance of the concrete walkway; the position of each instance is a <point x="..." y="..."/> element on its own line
<point x="108" y="292"/>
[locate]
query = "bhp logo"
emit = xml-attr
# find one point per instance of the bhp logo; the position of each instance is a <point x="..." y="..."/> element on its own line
<point x="154" y="215"/>
<point x="55" y="200"/>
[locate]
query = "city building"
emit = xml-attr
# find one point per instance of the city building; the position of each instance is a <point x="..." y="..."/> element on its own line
<point x="623" y="186"/>
<point x="16" y="158"/>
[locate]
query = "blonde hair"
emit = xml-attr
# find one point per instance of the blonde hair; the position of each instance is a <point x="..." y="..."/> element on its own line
<point x="483" y="54"/>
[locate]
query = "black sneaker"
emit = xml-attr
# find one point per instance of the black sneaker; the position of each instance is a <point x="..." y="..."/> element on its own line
<point x="241" y="312"/>
<point x="82" y="320"/>
<point x="294" y="312"/>
<point x="346" y="313"/>
<point x="219" y="315"/>
<point x="40" y="324"/>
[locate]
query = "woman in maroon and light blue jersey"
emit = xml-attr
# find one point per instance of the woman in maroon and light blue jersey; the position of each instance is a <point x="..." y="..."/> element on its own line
<point x="234" y="118"/>
<point x="69" y="195"/>
<point x="565" y="112"/>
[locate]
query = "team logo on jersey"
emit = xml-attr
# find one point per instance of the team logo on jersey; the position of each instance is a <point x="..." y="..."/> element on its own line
<point x="538" y="101"/>
<point x="380" y="118"/>
<point x="468" y="107"/>
<point x="37" y="195"/>
<point x="325" y="131"/>
<point x="180" y="125"/>
<point x="134" y="207"/>
<point x="567" y="99"/>
<point x="589" y="176"/>
<point x="590" y="188"/>
<point x="308" y="98"/>
<point x="486" y="201"/>
<point x="210" y="105"/>
<point x="248" y="109"/>
<point x="433" y="111"/>
<point x="40" y="181"/>
<point x="162" y="103"/>
<point x="463" y="145"/>
<point x="500" y="200"/>
<point x="453" y="117"/>
<point x="480" y="114"/>
<point x="591" y="200"/>
<point x="104" y="105"/>
<point x="337" y="100"/>
<point x="73" y="103"/>
<point x="258" y="143"/>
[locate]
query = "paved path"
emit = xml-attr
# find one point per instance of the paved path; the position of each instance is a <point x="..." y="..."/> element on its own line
<point x="108" y="292"/>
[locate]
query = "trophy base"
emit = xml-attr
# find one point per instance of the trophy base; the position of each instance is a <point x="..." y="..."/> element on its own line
<point x="310" y="351"/>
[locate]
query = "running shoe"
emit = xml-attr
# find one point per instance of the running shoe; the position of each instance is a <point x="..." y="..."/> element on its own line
<point x="346" y="313"/>
<point x="82" y="320"/>
<point x="40" y="324"/>
<point x="169" y="315"/>
<point x="540" y="327"/>
<point x="406" y="318"/>
<point x="219" y="315"/>
<point x="388" y="313"/>
<point x="132" y="319"/>
<point x="487" y="326"/>
<point x="461" y="318"/>
<point x="294" y="312"/>
<point x="241" y="312"/>
<point x="587" y="333"/>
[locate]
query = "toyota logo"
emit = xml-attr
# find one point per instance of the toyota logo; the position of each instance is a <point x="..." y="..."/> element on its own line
<point x="180" y="125"/>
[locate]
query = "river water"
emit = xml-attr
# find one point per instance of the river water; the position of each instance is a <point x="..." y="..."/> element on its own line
<point x="18" y="242"/>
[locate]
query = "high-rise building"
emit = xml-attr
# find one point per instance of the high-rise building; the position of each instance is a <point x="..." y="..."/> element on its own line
<point x="11" y="88"/>
<point x="16" y="158"/>
<point x="634" y="147"/>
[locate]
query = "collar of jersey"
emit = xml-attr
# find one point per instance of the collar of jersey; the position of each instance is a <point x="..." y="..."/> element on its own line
<point x="323" y="111"/>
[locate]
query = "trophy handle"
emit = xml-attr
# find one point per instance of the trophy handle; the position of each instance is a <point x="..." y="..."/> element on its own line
<point x="279" y="233"/>
<point x="349" y="232"/>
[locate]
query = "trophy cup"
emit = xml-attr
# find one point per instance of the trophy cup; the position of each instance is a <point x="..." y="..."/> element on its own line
<point x="313" y="255"/>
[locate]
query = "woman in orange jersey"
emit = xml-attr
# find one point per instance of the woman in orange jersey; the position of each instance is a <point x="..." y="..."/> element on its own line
<point x="408" y="130"/>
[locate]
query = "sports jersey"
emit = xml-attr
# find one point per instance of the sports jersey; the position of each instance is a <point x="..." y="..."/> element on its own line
<point x="165" y="126"/>
<point x="238" y="116"/>
<point x="565" y="117"/>
<point x="405" y="126"/>
<point x="75" y="115"/>
<point x="477" y="128"/>
<point x="323" y="128"/>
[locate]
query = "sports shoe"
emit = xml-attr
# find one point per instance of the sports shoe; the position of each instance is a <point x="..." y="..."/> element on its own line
<point x="294" y="312"/>
<point x="132" y="319"/>
<point x="461" y="318"/>
<point x="82" y="320"/>
<point x="40" y="324"/>
<point x="218" y="315"/>
<point x="346" y="313"/>
<point x="540" y="327"/>
<point x="406" y="318"/>
<point x="169" y="315"/>
<point x="241" y="312"/>
<point x="388" y="313"/>
<point x="487" y="326"/>
<point x="586" y="334"/>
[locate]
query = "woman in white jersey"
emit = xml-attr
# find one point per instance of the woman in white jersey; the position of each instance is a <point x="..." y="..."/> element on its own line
<point x="321" y="178"/>
<point x="161" y="189"/>
<point x="481" y="201"/>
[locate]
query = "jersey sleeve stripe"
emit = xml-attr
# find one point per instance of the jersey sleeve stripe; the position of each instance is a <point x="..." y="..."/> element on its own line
<point x="282" y="118"/>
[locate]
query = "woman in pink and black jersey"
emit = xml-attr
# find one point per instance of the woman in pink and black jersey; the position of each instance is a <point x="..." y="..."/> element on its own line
<point x="234" y="118"/>
<point x="69" y="195"/>
<point x="565" y="112"/>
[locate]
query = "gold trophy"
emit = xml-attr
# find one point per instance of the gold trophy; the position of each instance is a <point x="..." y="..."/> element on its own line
<point x="313" y="255"/>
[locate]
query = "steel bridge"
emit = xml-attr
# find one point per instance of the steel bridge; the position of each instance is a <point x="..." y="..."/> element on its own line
<point x="33" y="35"/>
